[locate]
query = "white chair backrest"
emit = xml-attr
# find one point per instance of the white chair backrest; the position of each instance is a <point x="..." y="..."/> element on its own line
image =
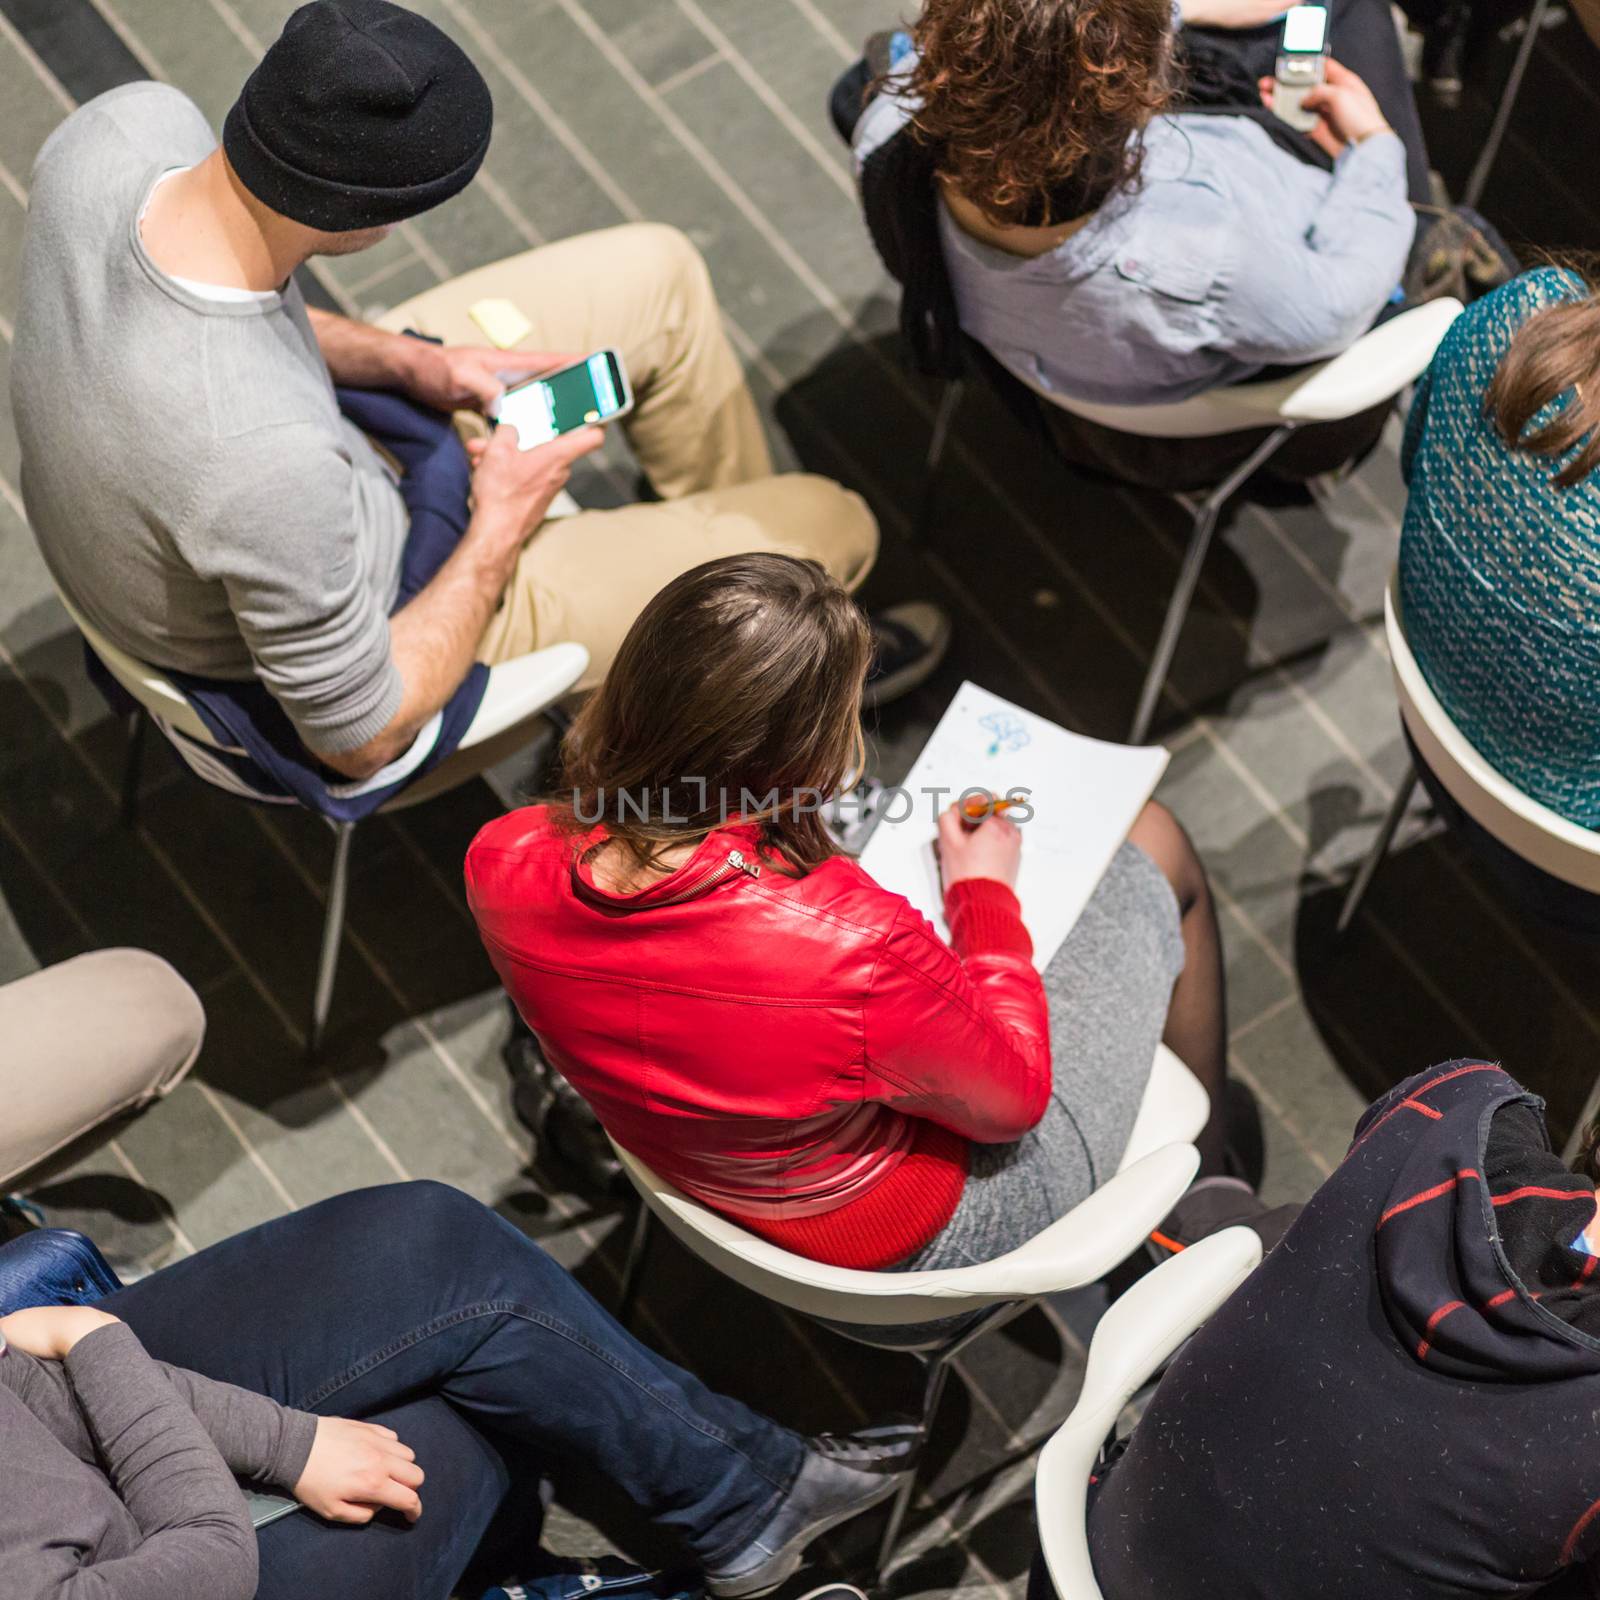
<point x="148" y="685"/>
<point x="1374" y="369"/>
<point x="1084" y="1245"/>
<point x="1536" y="833"/>
<point x="1174" y="1109"/>
<point x="1133" y="1340"/>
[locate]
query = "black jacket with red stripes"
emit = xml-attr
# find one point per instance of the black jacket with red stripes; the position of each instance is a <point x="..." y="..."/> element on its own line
<point x="1403" y="1400"/>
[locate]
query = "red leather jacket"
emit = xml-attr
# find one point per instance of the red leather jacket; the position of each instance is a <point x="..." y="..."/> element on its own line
<point x="770" y="1044"/>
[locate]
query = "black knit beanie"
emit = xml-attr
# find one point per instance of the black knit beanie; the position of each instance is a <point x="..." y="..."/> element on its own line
<point x="361" y="114"/>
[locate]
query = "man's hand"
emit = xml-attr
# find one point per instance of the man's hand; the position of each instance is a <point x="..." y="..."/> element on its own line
<point x="1231" y="13"/>
<point x="357" y="1469"/>
<point x="467" y="377"/>
<point x="50" y="1332"/>
<point x="512" y="487"/>
<point x="1347" y="111"/>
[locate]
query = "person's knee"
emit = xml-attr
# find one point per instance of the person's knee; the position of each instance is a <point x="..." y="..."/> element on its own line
<point x="671" y="255"/>
<point x="153" y="1019"/>
<point x="431" y="1210"/>
<point x="1162" y="837"/>
<point x="830" y="523"/>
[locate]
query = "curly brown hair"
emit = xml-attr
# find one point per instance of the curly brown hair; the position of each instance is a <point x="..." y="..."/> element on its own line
<point x="1027" y="98"/>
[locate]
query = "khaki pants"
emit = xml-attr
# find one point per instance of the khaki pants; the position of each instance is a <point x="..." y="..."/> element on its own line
<point x="644" y="290"/>
<point x="86" y="1041"/>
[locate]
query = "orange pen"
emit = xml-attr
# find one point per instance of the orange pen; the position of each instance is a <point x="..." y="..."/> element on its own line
<point x="975" y="809"/>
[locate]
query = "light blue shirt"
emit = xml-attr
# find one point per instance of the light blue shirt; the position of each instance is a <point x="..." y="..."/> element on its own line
<point x="1228" y="256"/>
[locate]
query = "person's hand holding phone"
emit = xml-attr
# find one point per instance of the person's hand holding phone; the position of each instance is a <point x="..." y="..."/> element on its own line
<point x="357" y="1469"/>
<point x="1346" y="109"/>
<point x="993" y="849"/>
<point x="514" y="486"/>
<point x="463" y="377"/>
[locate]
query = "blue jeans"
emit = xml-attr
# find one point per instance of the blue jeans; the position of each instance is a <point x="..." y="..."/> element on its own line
<point x="415" y="1306"/>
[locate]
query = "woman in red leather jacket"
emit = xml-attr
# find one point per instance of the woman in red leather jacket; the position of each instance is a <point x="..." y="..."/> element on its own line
<point x="754" y="1017"/>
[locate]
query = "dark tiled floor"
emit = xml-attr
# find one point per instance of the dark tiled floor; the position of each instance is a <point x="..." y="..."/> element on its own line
<point x="708" y="114"/>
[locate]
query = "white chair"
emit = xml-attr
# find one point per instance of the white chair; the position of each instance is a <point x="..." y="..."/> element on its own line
<point x="519" y="692"/>
<point x="1082" y="1247"/>
<point x="1524" y="826"/>
<point x="1133" y="1341"/>
<point x="1374" y="369"/>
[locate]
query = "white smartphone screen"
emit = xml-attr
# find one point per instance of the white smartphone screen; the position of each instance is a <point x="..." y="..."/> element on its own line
<point x="590" y="391"/>
<point x="1305" y="29"/>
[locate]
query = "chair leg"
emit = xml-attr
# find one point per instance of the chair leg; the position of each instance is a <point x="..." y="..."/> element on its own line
<point x="1532" y="28"/>
<point x="1380" y="848"/>
<point x="332" y="935"/>
<point x="1591" y="1109"/>
<point x="938" y="1370"/>
<point x="949" y="404"/>
<point x="633" y="1268"/>
<point x="1205" y="524"/>
<point x="133" y="768"/>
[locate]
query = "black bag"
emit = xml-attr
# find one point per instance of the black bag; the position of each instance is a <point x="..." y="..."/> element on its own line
<point x="1457" y="253"/>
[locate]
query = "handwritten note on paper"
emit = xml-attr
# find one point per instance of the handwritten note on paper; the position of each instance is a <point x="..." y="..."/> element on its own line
<point x="1085" y="796"/>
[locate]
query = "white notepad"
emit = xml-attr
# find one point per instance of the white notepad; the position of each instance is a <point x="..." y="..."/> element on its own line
<point x="1086" y="795"/>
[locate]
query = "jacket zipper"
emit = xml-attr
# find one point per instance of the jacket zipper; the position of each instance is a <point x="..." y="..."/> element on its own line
<point x="734" y="862"/>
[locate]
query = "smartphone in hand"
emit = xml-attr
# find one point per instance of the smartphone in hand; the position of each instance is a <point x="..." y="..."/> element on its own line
<point x="591" y="391"/>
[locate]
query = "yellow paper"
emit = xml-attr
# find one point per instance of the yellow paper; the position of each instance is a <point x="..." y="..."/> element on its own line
<point x="503" y="325"/>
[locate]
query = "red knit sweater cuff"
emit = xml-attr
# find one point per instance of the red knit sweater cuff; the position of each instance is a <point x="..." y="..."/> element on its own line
<point x="985" y="919"/>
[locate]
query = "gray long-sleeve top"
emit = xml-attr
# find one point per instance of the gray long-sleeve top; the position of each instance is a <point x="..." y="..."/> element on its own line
<point x="117" y="1475"/>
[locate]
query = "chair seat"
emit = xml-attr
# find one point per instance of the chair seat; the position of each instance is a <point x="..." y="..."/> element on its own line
<point x="1081" y="1247"/>
<point x="1374" y="369"/>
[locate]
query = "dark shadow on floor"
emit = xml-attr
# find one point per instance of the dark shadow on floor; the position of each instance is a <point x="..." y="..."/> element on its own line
<point x="1439" y="964"/>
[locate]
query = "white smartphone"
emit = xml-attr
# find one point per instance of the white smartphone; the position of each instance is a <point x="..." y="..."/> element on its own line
<point x="593" y="390"/>
<point x="1302" y="64"/>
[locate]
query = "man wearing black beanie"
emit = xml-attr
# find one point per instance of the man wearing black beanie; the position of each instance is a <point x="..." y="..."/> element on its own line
<point x="197" y="492"/>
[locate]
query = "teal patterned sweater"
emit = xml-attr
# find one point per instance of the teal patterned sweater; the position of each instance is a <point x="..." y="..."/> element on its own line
<point x="1500" y="568"/>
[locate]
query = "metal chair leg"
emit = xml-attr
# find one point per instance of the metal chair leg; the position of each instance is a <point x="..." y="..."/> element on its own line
<point x="332" y="935"/>
<point x="1473" y="193"/>
<point x="1205" y="523"/>
<point x="133" y="768"/>
<point x="1380" y="848"/>
<point x="949" y="404"/>
<point x="938" y="1370"/>
<point x="1591" y="1109"/>
<point x="633" y="1268"/>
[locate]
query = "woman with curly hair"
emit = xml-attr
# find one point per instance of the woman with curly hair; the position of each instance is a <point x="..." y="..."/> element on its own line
<point x="1108" y="205"/>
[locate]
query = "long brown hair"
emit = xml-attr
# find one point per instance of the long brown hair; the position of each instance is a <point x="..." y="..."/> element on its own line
<point x="1587" y="1161"/>
<point x="1554" y="351"/>
<point x="1028" y="97"/>
<point x="736" y="695"/>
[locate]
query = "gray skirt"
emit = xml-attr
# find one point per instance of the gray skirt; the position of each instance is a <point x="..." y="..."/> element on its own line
<point x="1108" y="987"/>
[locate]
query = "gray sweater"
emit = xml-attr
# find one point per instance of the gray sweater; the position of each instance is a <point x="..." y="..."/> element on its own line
<point x="116" y="1475"/>
<point x="192" y="485"/>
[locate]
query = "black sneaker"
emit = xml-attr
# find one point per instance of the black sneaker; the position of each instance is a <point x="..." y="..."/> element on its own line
<point x="908" y="643"/>
<point x="1444" y="53"/>
<point x="842" y="1476"/>
<point x="1212" y="1204"/>
<point x="568" y="1141"/>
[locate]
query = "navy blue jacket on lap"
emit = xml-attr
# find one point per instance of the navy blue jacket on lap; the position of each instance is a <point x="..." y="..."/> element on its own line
<point x="1403" y="1401"/>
